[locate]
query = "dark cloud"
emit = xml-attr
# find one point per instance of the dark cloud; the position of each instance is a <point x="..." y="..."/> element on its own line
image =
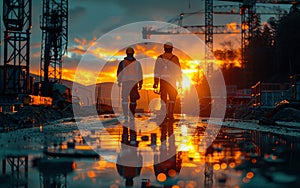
<point x="93" y="18"/>
<point x="77" y="12"/>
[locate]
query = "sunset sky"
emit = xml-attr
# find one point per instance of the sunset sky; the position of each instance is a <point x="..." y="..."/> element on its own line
<point x="91" y="19"/>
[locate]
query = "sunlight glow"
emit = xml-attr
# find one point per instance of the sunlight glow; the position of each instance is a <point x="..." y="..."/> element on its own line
<point x="192" y="69"/>
<point x="186" y="83"/>
<point x="184" y="130"/>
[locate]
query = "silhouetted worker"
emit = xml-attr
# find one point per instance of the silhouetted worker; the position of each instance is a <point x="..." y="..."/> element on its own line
<point x="129" y="161"/>
<point x="167" y="73"/>
<point x="130" y="77"/>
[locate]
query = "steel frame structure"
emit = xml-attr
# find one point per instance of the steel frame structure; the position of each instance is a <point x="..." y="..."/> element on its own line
<point x="54" y="25"/>
<point x="17" y="22"/>
<point x="18" y="170"/>
<point x="209" y="28"/>
<point x="250" y="22"/>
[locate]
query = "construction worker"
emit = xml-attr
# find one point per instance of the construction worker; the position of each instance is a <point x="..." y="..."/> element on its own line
<point x="167" y="73"/>
<point x="130" y="77"/>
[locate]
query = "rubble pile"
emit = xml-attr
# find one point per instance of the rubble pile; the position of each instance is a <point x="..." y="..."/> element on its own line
<point x="287" y="114"/>
<point x="284" y="114"/>
<point x="4" y="121"/>
<point x="35" y="115"/>
<point x="30" y="116"/>
<point x="250" y="113"/>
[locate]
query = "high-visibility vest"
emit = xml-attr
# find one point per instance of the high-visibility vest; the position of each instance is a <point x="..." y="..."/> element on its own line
<point x="167" y="70"/>
<point x="130" y="72"/>
<point x="166" y="66"/>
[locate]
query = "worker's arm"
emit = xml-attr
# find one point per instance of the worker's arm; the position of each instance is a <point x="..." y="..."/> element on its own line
<point x="157" y="69"/>
<point x="178" y="70"/>
<point x="120" y="68"/>
<point x="140" y="75"/>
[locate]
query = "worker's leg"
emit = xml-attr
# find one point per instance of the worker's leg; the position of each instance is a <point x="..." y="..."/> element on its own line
<point x="125" y="94"/>
<point x="125" y="109"/>
<point x="133" y="141"/>
<point x="172" y="95"/>
<point x="163" y="96"/>
<point x="132" y="107"/>
<point x="134" y="96"/>
<point x="125" y="135"/>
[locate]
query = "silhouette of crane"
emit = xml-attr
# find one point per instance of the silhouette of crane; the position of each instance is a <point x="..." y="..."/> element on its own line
<point x="250" y="22"/>
<point x="54" y="25"/>
<point x="15" y="71"/>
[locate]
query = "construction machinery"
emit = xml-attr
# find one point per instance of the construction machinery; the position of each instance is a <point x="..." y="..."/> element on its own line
<point x="17" y="86"/>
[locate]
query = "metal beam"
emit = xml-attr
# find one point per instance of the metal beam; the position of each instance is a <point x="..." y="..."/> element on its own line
<point x="54" y="25"/>
<point x="209" y="28"/>
<point x="17" y="22"/>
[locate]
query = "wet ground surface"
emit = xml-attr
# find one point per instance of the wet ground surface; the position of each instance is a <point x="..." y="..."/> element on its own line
<point x="145" y="152"/>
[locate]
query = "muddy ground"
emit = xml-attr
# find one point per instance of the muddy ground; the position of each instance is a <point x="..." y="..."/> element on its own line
<point x="31" y="116"/>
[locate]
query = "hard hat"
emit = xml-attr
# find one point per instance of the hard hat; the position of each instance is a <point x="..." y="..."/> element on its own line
<point x="129" y="50"/>
<point x="168" y="45"/>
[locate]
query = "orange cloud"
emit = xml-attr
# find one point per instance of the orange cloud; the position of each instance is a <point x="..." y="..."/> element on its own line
<point x="233" y="27"/>
<point x="77" y="50"/>
<point x="193" y="69"/>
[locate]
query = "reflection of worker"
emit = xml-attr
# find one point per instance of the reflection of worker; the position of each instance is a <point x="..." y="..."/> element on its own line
<point x="167" y="164"/>
<point x="167" y="73"/>
<point x="130" y="76"/>
<point x="129" y="162"/>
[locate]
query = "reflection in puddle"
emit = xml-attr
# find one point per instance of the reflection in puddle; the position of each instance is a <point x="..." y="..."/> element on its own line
<point x="171" y="154"/>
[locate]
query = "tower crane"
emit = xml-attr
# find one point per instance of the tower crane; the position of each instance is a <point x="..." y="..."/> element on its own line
<point x="14" y="73"/>
<point x="209" y="29"/>
<point x="250" y="19"/>
<point x="54" y="25"/>
<point x="209" y="35"/>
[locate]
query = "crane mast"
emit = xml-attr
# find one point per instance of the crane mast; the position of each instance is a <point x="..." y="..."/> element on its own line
<point x="250" y="20"/>
<point x="15" y="70"/>
<point x="54" y="25"/>
<point x="209" y="35"/>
